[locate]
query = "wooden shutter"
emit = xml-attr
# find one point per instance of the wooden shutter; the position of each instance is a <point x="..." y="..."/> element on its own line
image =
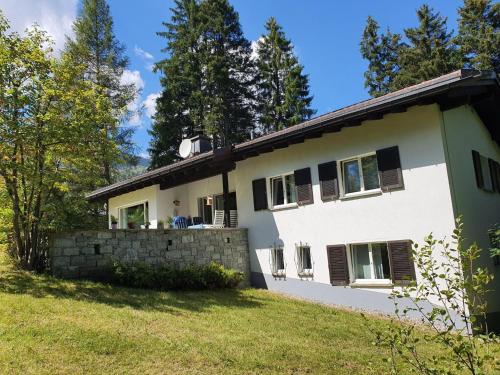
<point x="401" y="259"/>
<point x="389" y="169"/>
<point x="476" y="158"/>
<point x="303" y="186"/>
<point x="337" y="264"/>
<point x="328" y="181"/>
<point x="495" y="179"/>
<point x="259" y="194"/>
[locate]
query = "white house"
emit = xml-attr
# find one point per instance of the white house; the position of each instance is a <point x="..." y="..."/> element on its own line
<point x="332" y="204"/>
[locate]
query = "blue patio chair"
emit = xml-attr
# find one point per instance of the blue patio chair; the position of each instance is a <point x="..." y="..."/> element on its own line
<point x="180" y="222"/>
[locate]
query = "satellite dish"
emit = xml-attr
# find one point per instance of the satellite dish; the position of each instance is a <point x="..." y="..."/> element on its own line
<point x="185" y="148"/>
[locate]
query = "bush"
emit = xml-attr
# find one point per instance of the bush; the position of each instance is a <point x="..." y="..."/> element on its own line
<point x="167" y="277"/>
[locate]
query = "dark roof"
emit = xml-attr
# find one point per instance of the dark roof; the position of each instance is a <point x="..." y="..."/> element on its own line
<point x="480" y="89"/>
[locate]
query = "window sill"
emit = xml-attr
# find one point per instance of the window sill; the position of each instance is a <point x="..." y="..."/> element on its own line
<point x="371" y="284"/>
<point x="361" y="194"/>
<point x="284" y="207"/>
<point x="305" y="274"/>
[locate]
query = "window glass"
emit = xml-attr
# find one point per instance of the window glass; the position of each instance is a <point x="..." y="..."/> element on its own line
<point x="381" y="261"/>
<point x="306" y="258"/>
<point x="277" y="191"/>
<point x="133" y="217"/>
<point x="370" y="172"/>
<point x="278" y="261"/>
<point x="290" y="189"/>
<point x="362" y="262"/>
<point x="485" y="169"/>
<point x="352" y="182"/>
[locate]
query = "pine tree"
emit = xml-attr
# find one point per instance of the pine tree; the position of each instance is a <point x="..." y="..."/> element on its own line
<point x="282" y="88"/>
<point x="430" y="51"/>
<point x="180" y="107"/>
<point x="96" y="46"/>
<point x="381" y="51"/>
<point x="479" y="34"/>
<point x="228" y="74"/>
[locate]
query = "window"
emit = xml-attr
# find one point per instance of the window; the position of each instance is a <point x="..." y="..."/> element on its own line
<point x="277" y="262"/>
<point x="360" y="174"/>
<point x="134" y="217"/>
<point x="304" y="262"/>
<point x="485" y="170"/>
<point x="283" y="190"/>
<point x="370" y="262"/>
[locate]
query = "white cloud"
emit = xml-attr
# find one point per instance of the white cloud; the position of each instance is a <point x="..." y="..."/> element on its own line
<point x="134" y="77"/>
<point x="144" y="54"/>
<point x="54" y="16"/>
<point x="254" y="46"/>
<point x="150" y="104"/>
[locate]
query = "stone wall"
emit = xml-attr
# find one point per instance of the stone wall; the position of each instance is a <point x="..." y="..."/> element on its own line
<point x="89" y="253"/>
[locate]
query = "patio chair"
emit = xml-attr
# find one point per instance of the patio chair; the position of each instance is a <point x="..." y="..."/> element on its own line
<point x="233" y="218"/>
<point x="180" y="222"/>
<point x="218" y="220"/>
<point x="197" y="220"/>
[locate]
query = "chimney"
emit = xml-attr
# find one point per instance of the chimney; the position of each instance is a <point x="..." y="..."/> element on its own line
<point x="200" y="143"/>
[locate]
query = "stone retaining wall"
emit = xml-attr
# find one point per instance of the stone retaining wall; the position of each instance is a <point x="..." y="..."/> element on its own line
<point x="89" y="253"/>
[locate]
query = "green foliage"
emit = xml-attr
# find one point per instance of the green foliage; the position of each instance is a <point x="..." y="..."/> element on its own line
<point x="5" y="214"/>
<point x="49" y="138"/>
<point x="282" y="89"/>
<point x="430" y="50"/>
<point x="206" y="79"/>
<point x="494" y="234"/>
<point x="479" y="34"/>
<point x="381" y="51"/>
<point x="96" y="48"/>
<point x="166" y="277"/>
<point x="457" y="319"/>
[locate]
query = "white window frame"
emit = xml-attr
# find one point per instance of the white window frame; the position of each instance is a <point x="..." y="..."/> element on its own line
<point x="303" y="272"/>
<point x="275" y="271"/>
<point x="340" y="172"/>
<point x="352" y="266"/>
<point x="120" y="208"/>
<point x="270" y="195"/>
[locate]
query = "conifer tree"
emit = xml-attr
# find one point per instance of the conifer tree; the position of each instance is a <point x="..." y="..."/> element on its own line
<point x="479" y="34"/>
<point x="180" y="106"/>
<point x="381" y="51"/>
<point x="96" y="46"/>
<point x="228" y="74"/>
<point x="282" y="88"/>
<point x="430" y="51"/>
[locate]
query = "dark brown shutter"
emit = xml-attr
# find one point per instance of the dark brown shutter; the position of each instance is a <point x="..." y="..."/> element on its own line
<point x="328" y="181"/>
<point x="303" y="186"/>
<point x="337" y="264"/>
<point x="401" y="259"/>
<point x="259" y="194"/>
<point x="494" y="174"/>
<point x="389" y="169"/>
<point x="476" y="158"/>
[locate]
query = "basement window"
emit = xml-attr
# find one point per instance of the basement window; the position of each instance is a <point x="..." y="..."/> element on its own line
<point x="304" y="261"/>
<point x="277" y="262"/>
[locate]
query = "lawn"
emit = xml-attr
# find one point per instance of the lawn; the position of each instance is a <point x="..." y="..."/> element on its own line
<point x="51" y="326"/>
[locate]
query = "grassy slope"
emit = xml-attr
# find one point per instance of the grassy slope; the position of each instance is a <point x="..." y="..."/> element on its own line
<point x="53" y="326"/>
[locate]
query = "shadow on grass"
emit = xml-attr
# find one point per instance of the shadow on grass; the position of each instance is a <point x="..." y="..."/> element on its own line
<point x="40" y="286"/>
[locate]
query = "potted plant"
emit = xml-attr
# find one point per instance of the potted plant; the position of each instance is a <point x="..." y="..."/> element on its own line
<point x="170" y="221"/>
<point x="160" y="224"/>
<point x="114" y="222"/>
<point x="147" y="225"/>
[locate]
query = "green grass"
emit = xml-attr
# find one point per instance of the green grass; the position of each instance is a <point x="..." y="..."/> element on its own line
<point x="51" y="326"/>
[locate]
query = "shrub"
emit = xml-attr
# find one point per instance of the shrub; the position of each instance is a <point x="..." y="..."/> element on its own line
<point x="167" y="277"/>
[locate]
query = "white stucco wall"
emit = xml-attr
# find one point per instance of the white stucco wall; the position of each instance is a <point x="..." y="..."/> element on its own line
<point x="464" y="132"/>
<point x="423" y="206"/>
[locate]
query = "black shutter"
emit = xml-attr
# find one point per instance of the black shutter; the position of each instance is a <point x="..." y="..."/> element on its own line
<point x="494" y="174"/>
<point x="337" y="264"/>
<point x="328" y="181"/>
<point x="389" y="169"/>
<point x="303" y="186"/>
<point x="259" y="194"/>
<point x="476" y="158"/>
<point x="401" y="259"/>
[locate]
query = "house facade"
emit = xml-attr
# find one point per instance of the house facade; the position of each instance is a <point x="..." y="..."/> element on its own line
<point x="332" y="205"/>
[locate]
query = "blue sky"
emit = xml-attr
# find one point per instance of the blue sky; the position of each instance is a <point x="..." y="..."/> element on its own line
<point x="325" y="33"/>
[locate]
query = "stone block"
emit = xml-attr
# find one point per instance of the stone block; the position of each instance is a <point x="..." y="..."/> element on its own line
<point x="61" y="261"/>
<point x="136" y="245"/>
<point x="187" y="238"/>
<point x="104" y="235"/>
<point x="64" y="242"/>
<point x="71" y="251"/>
<point x="77" y="260"/>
